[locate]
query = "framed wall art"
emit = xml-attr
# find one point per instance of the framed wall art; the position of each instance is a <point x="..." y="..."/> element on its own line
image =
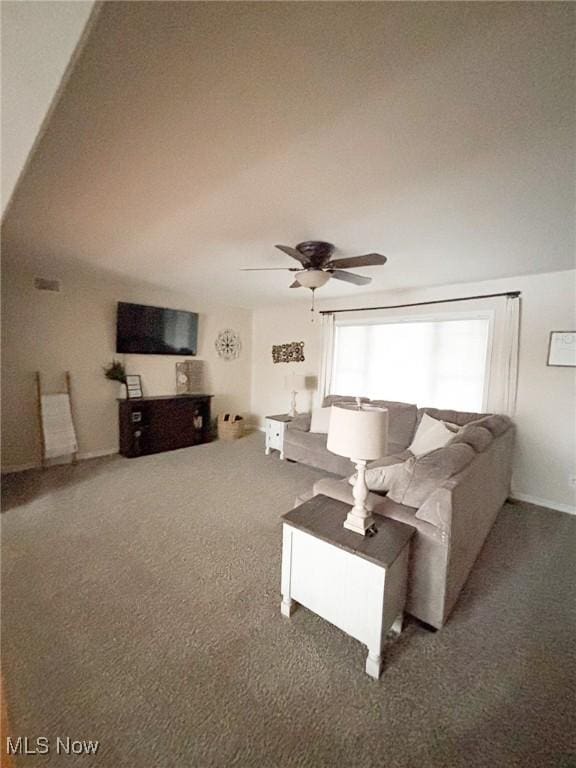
<point x="562" y="349"/>
<point x="228" y="344"/>
<point x="288" y="353"/>
<point x="133" y="386"/>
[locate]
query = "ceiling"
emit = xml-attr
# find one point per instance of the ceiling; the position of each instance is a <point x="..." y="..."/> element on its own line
<point x="38" y="40"/>
<point x="192" y="137"/>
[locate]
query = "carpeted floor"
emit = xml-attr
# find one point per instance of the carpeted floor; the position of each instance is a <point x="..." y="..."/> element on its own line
<point x="141" y="608"/>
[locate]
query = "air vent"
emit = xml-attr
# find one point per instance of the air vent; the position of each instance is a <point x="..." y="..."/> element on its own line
<point x="44" y="284"/>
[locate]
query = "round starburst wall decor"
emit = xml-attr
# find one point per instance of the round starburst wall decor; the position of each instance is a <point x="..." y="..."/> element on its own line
<point x="228" y="344"/>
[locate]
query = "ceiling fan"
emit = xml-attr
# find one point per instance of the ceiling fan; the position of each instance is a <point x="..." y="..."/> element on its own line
<point x="317" y="265"/>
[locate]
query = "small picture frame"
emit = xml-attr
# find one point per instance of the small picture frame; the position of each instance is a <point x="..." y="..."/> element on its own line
<point x="562" y="349"/>
<point x="133" y="386"/>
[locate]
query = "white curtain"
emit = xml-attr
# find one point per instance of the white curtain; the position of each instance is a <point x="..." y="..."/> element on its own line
<point x="503" y="382"/>
<point x="328" y="324"/>
<point x="439" y="363"/>
<point x="501" y="369"/>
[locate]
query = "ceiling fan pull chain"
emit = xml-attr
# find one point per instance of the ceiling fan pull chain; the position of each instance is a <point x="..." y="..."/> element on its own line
<point x="312" y="307"/>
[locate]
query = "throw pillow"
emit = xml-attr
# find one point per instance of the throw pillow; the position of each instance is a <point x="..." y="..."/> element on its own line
<point x="430" y="435"/>
<point x="392" y="458"/>
<point x="320" y="420"/>
<point x="379" y="478"/>
<point x="449" y="424"/>
<point x="419" y="477"/>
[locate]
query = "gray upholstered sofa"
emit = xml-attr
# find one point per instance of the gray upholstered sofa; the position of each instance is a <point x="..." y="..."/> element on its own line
<point x="310" y="448"/>
<point x="452" y="516"/>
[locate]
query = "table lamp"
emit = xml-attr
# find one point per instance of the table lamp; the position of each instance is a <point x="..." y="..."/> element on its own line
<point x="294" y="383"/>
<point x="361" y="434"/>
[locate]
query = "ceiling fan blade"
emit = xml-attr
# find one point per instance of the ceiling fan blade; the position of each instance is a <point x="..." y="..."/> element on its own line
<point x="295" y="284"/>
<point x="304" y="260"/>
<point x="368" y="260"/>
<point x="350" y="277"/>
<point x="270" y="269"/>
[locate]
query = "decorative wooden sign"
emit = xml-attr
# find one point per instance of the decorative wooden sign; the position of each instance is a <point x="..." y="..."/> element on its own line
<point x="189" y="377"/>
<point x="288" y="353"/>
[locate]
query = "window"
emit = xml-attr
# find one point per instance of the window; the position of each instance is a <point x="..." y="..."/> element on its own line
<point x="440" y="362"/>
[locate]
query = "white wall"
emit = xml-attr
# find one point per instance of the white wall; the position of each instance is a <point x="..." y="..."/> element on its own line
<point x="38" y="41"/>
<point x="75" y="330"/>
<point x="545" y="458"/>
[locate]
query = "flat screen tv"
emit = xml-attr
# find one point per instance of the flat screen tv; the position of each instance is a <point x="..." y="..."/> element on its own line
<point x="147" y="330"/>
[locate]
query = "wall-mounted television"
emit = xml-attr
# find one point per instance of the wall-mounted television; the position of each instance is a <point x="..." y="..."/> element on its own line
<point x="145" y="330"/>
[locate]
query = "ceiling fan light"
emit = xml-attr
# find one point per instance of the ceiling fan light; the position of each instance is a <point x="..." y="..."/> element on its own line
<point x="312" y="278"/>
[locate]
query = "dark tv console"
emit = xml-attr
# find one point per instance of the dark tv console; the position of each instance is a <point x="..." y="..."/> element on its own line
<point x="156" y="424"/>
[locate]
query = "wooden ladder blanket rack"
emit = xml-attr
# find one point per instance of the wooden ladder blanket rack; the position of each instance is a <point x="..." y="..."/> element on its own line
<point x="56" y="420"/>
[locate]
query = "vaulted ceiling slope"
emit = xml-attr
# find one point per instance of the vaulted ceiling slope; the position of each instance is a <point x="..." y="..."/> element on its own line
<point x="191" y="137"/>
<point x="37" y="42"/>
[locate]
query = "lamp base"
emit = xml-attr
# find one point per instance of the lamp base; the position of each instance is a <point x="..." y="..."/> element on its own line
<point x="359" y="518"/>
<point x="358" y="524"/>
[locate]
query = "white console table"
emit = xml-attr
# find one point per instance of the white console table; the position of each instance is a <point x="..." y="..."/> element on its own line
<point x="275" y="429"/>
<point x="357" y="583"/>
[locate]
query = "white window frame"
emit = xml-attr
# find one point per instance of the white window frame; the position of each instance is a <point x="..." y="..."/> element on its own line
<point x="488" y="314"/>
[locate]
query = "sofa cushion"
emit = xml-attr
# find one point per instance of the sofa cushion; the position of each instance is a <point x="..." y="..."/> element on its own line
<point x="380" y="473"/>
<point x="301" y="422"/>
<point x="437" y="509"/>
<point x="478" y="437"/>
<point x="388" y="508"/>
<point x="320" y="420"/>
<point x="421" y="476"/>
<point x="454" y="417"/>
<point x="315" y="441"/>
<point x="401" y="421"/>
<point x="310" y="448"/>
<point x="335" y="399"/>
<point x="430" y="435"/>
<point x="342" y="491"/>
<point x="302" y="498"/>
<point x="496" y="423"/>
<point x="395" y="456"/>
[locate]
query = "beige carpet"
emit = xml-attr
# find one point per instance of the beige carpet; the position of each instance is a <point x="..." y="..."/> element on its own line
<point x="141" y="608"/>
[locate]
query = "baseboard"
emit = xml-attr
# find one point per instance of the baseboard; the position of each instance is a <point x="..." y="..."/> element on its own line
<point x="514" y="496"/>
<point x="8" y="469"/>
<point x="97" y="454"/>
<point x="11" y="468"/>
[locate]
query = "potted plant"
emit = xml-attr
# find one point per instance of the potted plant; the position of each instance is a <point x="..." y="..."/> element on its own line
<point x="115" y="371"/>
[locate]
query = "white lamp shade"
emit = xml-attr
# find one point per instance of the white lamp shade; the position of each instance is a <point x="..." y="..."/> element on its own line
<point x="312" y="278"/>
<point x="358" y="433"/>
<point x="295" y="383"/>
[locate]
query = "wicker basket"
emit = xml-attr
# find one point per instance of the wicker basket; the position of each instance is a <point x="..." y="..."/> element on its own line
<point x="230" y="426"/>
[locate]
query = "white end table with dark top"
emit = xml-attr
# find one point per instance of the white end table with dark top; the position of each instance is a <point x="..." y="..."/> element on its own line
<point x="275" y="429"/>
<point x="357" y="583"/>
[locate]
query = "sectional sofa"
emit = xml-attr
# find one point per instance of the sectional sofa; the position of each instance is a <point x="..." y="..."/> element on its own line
<point x="451" y="496"/>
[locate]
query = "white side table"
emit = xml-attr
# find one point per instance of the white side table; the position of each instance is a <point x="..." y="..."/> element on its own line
<point x="357" y="583"/>
<point x="275" y="429"/>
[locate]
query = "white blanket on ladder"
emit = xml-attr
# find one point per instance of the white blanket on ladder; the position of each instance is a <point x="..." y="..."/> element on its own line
<point x="59" y="434"/>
